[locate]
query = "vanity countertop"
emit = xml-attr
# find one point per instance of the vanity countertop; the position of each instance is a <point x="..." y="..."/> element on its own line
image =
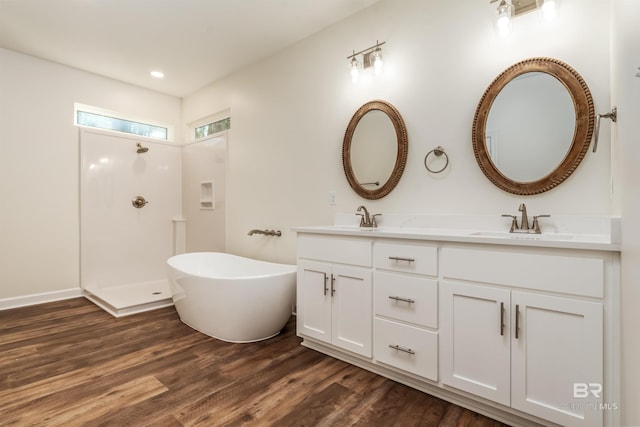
<point x="602" y="242"/>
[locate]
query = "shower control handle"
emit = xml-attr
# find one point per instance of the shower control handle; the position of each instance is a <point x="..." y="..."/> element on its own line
<point x="139" y="202"/>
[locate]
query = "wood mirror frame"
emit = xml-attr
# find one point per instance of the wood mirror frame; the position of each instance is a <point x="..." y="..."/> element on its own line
<point x="402" y="147"/>
<point x="584" y="113"/>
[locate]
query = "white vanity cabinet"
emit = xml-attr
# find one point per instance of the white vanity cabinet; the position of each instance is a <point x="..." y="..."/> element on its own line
<point x="522" y="331"/>
<point x="405" y="306"/>
<point x="334" y="292"/>
<point x="537" y="352"/>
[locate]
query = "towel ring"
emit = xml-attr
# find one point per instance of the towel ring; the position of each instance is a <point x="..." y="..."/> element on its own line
<point x="438" y="151"/>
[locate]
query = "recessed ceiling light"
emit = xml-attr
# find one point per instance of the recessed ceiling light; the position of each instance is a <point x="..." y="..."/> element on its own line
<point x="157" y="74"/>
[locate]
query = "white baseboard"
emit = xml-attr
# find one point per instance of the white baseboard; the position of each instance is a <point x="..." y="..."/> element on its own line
<point x="33" y="299"/>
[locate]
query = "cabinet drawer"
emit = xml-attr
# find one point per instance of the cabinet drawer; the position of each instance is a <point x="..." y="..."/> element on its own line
<point x="419" y="259"/>
<point x="411" y="299"/>
<point x="341" y="250"/>
<point x="570" y="274"/>
<point x="406" y="347"/>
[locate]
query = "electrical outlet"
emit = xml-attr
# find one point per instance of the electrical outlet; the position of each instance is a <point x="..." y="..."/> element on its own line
<point x="332" y="198"/>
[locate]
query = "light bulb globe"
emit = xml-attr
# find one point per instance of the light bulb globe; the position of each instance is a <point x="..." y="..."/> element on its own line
<point x="548" y="10"/>
<point x="355" y="73"/>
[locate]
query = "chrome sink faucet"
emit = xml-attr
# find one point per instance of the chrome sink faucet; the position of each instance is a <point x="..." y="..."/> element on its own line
<point x="366" y="220"/>
<point x="524" y="222"/>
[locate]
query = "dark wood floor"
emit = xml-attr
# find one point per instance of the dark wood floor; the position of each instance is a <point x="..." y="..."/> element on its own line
<point x="69" y="363"/>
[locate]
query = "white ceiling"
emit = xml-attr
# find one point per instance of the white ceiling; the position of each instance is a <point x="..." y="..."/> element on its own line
<point x="193" y="42"/>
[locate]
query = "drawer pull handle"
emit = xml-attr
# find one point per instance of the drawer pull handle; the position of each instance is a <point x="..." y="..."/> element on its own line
<point x="398" y="258"/>
<point x="501" y="318"/>
<point x="325" y="284"/>
<point x="406" y="350"/>
<point x="409" y="300"/>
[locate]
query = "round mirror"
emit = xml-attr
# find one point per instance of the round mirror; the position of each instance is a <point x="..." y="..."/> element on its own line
<point x="533" y="126"/>
<point x="374" y="150"/>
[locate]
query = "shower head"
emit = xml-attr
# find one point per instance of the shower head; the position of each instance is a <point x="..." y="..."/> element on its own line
<point x="141" y="149"/>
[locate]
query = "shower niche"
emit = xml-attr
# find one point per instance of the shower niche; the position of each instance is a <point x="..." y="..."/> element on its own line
<point x="207" y="195"/>
<point x="130" y="219"/>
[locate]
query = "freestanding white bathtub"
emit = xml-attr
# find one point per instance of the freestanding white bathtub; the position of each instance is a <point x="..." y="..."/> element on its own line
<point x="232" y="298"/>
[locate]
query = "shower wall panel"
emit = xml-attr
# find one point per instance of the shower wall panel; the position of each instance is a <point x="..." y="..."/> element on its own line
<point x="205" y="163"/>
<point x="120" y="243"/>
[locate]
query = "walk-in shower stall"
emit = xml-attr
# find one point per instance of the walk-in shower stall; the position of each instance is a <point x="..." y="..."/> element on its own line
<point x="130" y="220"/>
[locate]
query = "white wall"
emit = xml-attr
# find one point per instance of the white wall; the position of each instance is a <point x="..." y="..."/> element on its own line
<point x="626" y="96"/>
<point x="289" y="114"/>
<point x="39" y="171"/>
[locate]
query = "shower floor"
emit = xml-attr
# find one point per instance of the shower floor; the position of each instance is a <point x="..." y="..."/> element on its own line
<point x="133" y="298"/>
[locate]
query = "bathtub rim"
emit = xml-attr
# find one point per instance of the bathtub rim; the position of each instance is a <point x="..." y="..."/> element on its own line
<point x="286" y="268"/>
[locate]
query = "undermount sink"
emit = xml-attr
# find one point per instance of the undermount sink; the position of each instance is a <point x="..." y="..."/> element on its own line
<point x="526" y="236"/>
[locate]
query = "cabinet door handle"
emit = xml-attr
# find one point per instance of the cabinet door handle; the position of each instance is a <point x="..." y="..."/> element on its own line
<point x="409" y="300"/>
<point x="517" y="320"/>
<point x="406" y="350"/>
<point x="501" y="318"/>
<point x="326" y="278"/>
<point x="333" y="283"/>
<point x="397" y="258"/>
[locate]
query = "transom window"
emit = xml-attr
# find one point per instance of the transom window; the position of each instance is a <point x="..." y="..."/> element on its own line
<point x="211" y="128"/>
<point x="95" y="118"/>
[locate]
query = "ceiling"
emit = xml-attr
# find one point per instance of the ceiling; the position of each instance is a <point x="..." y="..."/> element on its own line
<point x="193" y="42"/>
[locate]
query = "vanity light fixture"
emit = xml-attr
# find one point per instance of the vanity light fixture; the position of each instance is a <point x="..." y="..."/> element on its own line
<point x="371" y="57"/>
<point x="508" y="9"/>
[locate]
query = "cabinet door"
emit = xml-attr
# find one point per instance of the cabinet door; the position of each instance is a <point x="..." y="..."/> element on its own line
<point x="557" y="365"/>
<point x="314" y="300"/>
<point x="475" y="342"/>
<point x="351" y="326"/>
